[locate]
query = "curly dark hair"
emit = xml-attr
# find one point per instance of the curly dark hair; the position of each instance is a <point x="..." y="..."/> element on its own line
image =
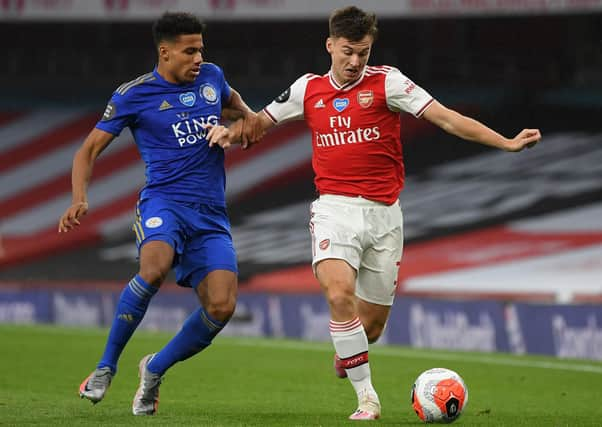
<point x="173" y="24"/>
<point x="352" y="23"/>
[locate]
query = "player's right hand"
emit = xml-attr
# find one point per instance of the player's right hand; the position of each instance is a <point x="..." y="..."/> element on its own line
<point x="527" y="138"/>
<point x="70" y="218"/>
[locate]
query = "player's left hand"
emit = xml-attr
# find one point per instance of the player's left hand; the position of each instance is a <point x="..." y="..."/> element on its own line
<point x="219" y="135"/>
<point x="252" y="130"/>
<point x="525" y="138"/>
<point x="70" y="219"/>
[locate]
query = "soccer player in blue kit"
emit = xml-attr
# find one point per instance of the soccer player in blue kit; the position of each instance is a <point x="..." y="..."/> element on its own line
<point x="181" y="215"/>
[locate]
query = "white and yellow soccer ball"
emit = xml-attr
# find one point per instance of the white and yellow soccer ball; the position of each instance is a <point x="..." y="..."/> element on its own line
<point x="439" y="395"/>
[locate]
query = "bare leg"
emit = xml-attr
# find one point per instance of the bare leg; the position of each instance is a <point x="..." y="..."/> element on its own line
<point x="374" y="318"/>
<point x="337" y="279"/>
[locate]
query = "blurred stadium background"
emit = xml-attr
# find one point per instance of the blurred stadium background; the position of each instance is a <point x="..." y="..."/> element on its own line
<point x="503" y="251"/>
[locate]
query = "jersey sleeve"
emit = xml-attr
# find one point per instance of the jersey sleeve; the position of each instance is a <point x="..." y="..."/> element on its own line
<point x="225" y="89"/>
<point x="117" y="115"/>
<point x="289" y="104"/>
<point x="405" y="95"/>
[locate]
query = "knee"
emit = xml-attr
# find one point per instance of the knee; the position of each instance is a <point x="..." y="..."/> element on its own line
<point x="341" y="300"/>
<point x="221" y="310"/>
<point x="153" y="275"/>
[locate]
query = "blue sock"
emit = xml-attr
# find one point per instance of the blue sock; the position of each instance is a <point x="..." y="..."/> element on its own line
<point x="197" y="333"/>
<point x="131" y="307"/>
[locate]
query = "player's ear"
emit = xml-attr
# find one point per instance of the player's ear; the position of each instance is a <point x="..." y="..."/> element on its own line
<point x="163" y="52"/>
<point x="329" y="45"/>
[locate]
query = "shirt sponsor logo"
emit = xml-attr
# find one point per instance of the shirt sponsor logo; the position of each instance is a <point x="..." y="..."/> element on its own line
<point x="365" y="98"/>
<point x="153" y="222"/>
<point x="208" y="93"/>
<point x="340" y="104"/>
<point x="343" y="137"/>
<point x="190" y="131"/>
<point x="343" y="133"/>
<point x="188" y="98"/>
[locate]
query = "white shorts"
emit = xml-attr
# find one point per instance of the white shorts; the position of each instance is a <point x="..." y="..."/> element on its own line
<point x="366" y="234"/>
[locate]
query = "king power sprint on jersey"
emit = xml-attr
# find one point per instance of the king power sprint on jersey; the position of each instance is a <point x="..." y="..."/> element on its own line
<point x="192" y="131"/>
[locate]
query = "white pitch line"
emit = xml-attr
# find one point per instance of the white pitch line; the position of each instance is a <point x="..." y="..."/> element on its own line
<point x="417" y="354"/>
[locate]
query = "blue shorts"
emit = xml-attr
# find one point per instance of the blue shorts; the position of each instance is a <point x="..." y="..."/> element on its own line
<point x="199" y="234"/>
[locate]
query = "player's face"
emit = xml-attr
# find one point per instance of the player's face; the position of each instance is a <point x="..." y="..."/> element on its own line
<point x="348" y="58"/>
<point x="181" y="60"/>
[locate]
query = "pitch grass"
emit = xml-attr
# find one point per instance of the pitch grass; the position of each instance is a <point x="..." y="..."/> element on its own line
<point x="257" y="382"/>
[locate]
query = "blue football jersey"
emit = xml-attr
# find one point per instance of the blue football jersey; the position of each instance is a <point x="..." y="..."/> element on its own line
<point x="167" y="121"/>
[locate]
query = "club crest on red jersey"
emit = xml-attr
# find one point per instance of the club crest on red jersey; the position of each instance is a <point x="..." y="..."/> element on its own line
<point x="365" y="98"/>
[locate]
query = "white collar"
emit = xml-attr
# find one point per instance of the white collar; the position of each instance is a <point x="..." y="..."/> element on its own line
<point x="349" y="85"/>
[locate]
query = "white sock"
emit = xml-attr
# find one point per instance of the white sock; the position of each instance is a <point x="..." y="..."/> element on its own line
<point x="351" y="344"/>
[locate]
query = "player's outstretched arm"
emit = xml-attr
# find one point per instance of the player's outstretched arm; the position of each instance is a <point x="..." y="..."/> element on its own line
<point x="83" y="163"/>
<point x="239" y="132"/>
<point x="472" y="130"/>
<point x="252" y="134"/>
<point x="238" y="109"/>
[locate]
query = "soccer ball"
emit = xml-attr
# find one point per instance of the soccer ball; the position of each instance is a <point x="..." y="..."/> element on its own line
<point x="439" y="395"/>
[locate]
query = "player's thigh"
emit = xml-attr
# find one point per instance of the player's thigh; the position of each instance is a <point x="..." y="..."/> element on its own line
<point x="156" y="258"/>
<point x="203" y="254"/>
<point x="160" y="233"/>
<point x="335" y="232"/>
<point x="336" y="276"/>
<point x="379" y="270"/>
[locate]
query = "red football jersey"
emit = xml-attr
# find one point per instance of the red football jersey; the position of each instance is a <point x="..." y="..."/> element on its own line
<point x="355" y="129"/>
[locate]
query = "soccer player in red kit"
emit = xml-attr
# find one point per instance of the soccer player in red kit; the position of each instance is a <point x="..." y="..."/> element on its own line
<point x="356" y="223"/>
